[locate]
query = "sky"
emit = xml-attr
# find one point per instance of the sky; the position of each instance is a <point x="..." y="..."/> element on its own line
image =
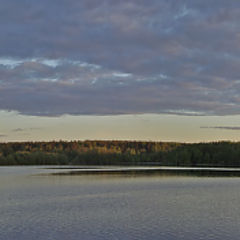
<point x="156" y="70"/>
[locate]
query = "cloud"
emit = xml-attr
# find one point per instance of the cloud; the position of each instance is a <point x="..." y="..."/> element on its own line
<point x="35" y="128"/>
<point x="18" y="130"/>
<point x="224" y="128"/>
<point x="26" y="129"/>
<point x="3" y="135"/>
<point x="87" y="57"/>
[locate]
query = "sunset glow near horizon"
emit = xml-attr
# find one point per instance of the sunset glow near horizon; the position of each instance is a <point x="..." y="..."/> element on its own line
<point x="152" y="70"/>
<point x="140" y="127"/>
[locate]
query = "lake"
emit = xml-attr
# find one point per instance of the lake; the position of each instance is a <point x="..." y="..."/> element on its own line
<point x="39" y="206"/>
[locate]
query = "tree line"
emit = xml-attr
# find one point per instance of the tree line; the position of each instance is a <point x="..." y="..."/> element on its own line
<point x="214" y="154"/>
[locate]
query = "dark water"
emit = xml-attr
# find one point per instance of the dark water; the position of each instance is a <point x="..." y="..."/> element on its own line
<point x="42" y="207"/>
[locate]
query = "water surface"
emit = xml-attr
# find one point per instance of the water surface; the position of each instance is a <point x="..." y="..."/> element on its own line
<point x="48" y="207"/>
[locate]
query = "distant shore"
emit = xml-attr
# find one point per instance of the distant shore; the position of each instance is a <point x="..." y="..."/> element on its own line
<point x="124" y="153"/>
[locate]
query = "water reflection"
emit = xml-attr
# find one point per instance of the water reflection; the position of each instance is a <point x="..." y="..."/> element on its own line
<point x="93" y="207"/>
<point x="150" y="171"/>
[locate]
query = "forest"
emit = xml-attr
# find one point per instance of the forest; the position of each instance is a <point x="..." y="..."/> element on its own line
<point x="214" y="154"/>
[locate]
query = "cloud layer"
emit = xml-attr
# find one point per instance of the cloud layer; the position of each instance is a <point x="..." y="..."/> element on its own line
<point x="90" y="57"/>
<point x="224" y="128"/>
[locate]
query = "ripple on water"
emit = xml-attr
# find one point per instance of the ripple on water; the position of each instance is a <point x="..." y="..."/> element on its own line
<point x="124" y="208"/>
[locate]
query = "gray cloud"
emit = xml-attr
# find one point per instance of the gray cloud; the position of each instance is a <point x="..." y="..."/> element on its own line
<point x="224" y="127"/>
<point x="2" y="135"/>
<point x="86" y="57"/>
<point x="35" y="128"/>
<point x="18" y="130"/>
<point x="26" y="129"/>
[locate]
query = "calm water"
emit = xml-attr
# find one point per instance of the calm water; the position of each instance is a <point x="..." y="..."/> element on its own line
<point x="41" y="207"/>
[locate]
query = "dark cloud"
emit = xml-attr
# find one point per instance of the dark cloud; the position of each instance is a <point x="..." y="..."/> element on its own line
<point x="90" y="57"/>
<point x="224" y="127"/>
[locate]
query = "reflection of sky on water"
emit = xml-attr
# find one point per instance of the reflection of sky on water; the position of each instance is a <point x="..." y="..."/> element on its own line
<point x="79" y="207"/>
